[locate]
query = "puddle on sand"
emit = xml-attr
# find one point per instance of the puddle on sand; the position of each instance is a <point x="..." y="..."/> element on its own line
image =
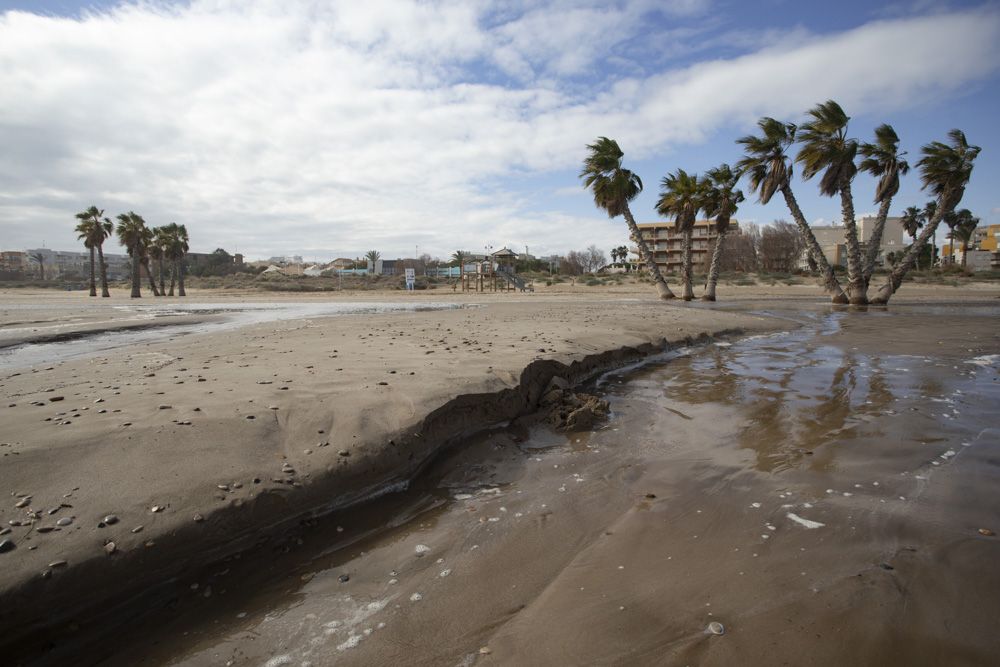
<point x="818" y="492"/>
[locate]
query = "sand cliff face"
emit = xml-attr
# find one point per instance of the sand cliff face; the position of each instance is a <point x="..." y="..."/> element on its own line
<point x="204" y="445"/>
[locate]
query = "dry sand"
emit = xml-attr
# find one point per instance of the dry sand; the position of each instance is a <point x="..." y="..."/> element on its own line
<point x="201" y="444"/>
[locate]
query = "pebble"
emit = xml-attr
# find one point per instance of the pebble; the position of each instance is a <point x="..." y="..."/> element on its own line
<point x="421" y="549"/>
<point x="44" y="529"/>
<point x="344" y="452"/>
<point x="416" y="597"/>
<point x="24" y="502"/>
<point x="343" y="578"/>
<point x="110" y="548"/>
<point x="54" y="399"/>
<point x="137" y="529"/>
<point x="65" y="521"/>
<point x="164" y="406"/>
<point x="156" y="508"/>
<point x="716" y="628"/>
<point x="110" y="520"/>
<point x="198" y="518"/>
<point x="4" y="530"/>
<point x="987" y="532"/>
<point x="485" y="650"/>
<point x="57" y="563"/>
<point x="7" y="545"/>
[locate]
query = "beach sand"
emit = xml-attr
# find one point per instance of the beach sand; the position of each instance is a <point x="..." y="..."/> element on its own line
<point x="199" y="445"/>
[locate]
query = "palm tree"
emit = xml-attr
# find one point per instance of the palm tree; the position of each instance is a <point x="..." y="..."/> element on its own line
<point x="623" y="256"/>
<point x="84" y="232"/>
<point x="176" y="239"/>
<point x="721" y="201"/>
<point x="945" y="170"/>
<point x="130" y="234"/>
<point x="826" y="148"/>
<point x="768" y="167"/>
<point x="912" y="220"/>
<point x="39" y="259"/>
<point x="613" y="188"/>
<point x="962" y="231"/>
<point x="157" y="251"/>
<point x="681" y="197"/>
<point x="98" y="229"/>
<point x="884" y="160"/>
<point x="373" y="256"/>
<point x="147" y="242"/>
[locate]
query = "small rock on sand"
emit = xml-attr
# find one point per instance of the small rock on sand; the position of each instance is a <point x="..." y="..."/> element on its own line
<point x="7" y="545"/>
<point x="421" y="549"/>
<point x="987" y="532"/>
<point x="24" y="502"/>
<point x="716" y="628"/>
<point x="65" y="521"/>
<point x="110" y="548"/>
<point x="110" y="520"/>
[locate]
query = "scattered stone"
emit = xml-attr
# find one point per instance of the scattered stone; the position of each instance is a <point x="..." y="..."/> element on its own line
<point x="416" y="597"/>
<point x="651" y="495"/>
<point x="137" y="529"/>
<point x="223" y="487"/>
<point x="164" y="406"/>
<point x="198" y="518"/>
<point x="44" y="529"/>
<point x="57" y="563"/>
<point x="65" y="521"/>
<point x="110" y="548"/>
<point x="344" y="452"/>
<point x="7" y="545"/>
<point x="421" y="549"/>
<point x="987" y="532"/>
<point x="55" y="399"/>
<point x="24" y="502"/>
<point x="287" y="468"/>
<point x="485" y="650"/>
<point x="46" y="574"/>
<point x="343" y="578"/>
<point x="4" y="530"/>
<point x="716" y="628"/>
<point x="110" y="520"/>
<point x="157" y="508"/>
<point x="272" y="407"/>
<point x="250" y="417"/>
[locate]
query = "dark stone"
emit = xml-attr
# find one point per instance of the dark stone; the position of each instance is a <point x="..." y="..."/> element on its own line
<point x="343" y="578"/>
<point x="6" y="546"/>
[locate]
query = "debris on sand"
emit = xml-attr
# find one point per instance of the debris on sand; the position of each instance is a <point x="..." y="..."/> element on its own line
<point x="570" y="411"/>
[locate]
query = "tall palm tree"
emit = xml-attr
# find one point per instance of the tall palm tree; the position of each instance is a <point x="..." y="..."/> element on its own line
<point x="945" y="169"/>
<point x="176" y="247"/>
<point x="912" y="220"/>
<point x="963" y="231"/>
<point x="373" y="256"/>
<point x="39" y="259"/>
<point x="826" y="148"/>
<point x="884" y="160"/>
<point x="99" y="229"/>
<point x="460" y="257"/>
<point x="613" y="188"/>
<point x="84" y="232"/>
<point x="721" y="200"/>
<point x="157" y="252"/>
<point x="681" y="197"/>
<point x="623" y="256"/>
<point x="766" y="163"/>
<point x="130" y="234"/>
<point x="147" y="242"/>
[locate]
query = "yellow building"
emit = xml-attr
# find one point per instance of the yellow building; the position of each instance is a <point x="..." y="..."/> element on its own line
<point x="664" y="241"/>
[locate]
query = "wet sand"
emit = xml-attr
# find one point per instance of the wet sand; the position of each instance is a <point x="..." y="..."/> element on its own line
<point x="204" y="445"/>
<point x="821" y="492"/>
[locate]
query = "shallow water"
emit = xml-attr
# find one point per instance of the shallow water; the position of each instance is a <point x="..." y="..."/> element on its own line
<point x="818" y="491"/>
<point x="207" y="317"/>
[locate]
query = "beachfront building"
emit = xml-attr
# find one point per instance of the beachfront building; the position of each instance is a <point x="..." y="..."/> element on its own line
<point x="982" y="255"/>
<point x="664" y="241"/>
<point x="14" y="261"/>
<point x="71" y="264"/>
<point x="894" y="237"/>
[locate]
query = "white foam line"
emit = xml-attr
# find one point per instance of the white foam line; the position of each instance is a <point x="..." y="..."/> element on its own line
<point x="804" y="522"/>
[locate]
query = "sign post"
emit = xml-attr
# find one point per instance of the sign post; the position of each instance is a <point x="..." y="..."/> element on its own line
<point x="411" y="278"/>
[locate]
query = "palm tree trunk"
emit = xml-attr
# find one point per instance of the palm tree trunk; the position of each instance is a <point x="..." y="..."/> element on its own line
<point x="830" y="283"/>
<point x="713" y="269"/>
<point x="136" y="274"/>
<point x="173" y="276"/>
<point x="159" y="264"/>
<point x="857" y="288"/>
<point x="647" y="257"/>
<point x="93" y="278"/>
<point x="686" y="262"/>
<point x="180" y="277"/>
<point x="965" y="252"/>
<point x="876" y="240"/>
<point x="149" y="275"/>
<point x="902" y="268"/>
<point x="104" y="271"/>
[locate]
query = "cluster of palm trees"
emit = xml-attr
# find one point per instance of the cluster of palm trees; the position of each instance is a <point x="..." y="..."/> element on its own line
<point x="619" y="254"/>
<point x="961" y="226"/>
<point x="825" y="150"/>
<point x="168" y="243"/>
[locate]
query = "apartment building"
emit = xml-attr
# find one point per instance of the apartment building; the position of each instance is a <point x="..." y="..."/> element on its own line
<point x="831" y="239"/>
<point x="665" y="242"/>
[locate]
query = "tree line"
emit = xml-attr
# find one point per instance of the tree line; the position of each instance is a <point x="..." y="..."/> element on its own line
<point x="825" y="150"/>
<point x="167" y="243"/>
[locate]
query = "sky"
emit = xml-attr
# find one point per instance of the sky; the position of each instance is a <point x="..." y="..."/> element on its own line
<point x="326" y="129"/>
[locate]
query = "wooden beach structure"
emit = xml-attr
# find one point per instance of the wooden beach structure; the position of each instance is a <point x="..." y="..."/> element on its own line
<point x="496" y="273"/>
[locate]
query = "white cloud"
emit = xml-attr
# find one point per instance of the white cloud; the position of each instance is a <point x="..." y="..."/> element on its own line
<point x="281" y="126"/>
